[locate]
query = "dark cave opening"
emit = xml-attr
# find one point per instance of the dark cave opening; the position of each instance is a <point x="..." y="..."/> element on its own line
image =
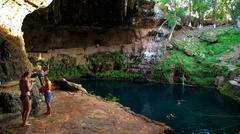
<point x="91" y="12"/>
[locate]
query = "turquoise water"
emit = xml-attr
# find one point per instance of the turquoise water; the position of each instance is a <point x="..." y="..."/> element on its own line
<point x="188" y="110"/>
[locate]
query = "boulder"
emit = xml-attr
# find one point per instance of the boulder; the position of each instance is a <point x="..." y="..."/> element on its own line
<point x="231" y="88"/>
<point x="211" y="36"/>
<point x="189" y="52"/>
<point x="208" y="38"/>
<point x="237" y="79"/>
<point x="69" y="86"/>
<point x="36" y="96"/>
<point x="11" y="103"/>
<point x="219" y="81"/>
<point x="235" y="84"/>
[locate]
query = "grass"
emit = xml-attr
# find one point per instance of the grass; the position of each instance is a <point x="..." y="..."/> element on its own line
<point x="203" y="66"/>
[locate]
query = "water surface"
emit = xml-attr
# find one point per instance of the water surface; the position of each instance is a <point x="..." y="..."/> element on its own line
<point x="186" y="109"/>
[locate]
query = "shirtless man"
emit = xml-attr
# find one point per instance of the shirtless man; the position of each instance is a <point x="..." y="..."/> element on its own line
<point x="25" y="87"/>
<point x="47" y="94"/>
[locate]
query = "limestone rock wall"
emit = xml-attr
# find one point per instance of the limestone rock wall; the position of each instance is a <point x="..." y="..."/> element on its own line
<point x="13" y="13"/>
<point x="13" y="61"/>
<point x="13" y="57"/>
<point x="11" y="103"/>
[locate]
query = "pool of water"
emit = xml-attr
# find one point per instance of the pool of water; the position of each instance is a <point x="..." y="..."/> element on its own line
<point x="186" y="109"/>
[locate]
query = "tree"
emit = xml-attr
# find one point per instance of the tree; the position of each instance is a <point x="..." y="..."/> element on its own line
<point x="201" y="7"/>
<point x="174" y="11"/>
<point x="214" y="6"/>
<point x="190" y="12"/>
<point x="228" y="7"/>
<point x="233" y="6"/>
<point x="221" y="11"/>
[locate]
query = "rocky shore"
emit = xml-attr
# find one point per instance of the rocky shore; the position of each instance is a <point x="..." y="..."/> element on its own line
<point x="75" y="111"/>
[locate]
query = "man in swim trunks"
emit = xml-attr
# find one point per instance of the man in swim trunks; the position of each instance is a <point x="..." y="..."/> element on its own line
<point x="47" y="94"/>
<point x="25" y="87"/>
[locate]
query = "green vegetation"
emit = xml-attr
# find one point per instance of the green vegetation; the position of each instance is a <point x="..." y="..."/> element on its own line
<point x="211" y="9"/>
<point x="100" y="65"/>
<point x="106" y="61"/>
<point x="65" y="67"/>
<point x="199" y="61"/>
<point x="109" y="97"/>
<point x="201" y="7"/>
<point x="224" y="89"/>
<point x="173" y="15"/>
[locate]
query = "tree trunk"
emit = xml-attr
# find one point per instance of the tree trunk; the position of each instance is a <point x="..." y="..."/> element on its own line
<point x="190" y="12"/>
<point x="214" y="5"/>
<point x="172" y="30"/>
<point x="162" y="24"/>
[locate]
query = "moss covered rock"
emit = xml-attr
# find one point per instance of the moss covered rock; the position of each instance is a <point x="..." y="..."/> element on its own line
<point x="212" y="35"/>
<point x="13" y="60"/>
<point x="231" y="89"/>
<point x="10" y="102"/>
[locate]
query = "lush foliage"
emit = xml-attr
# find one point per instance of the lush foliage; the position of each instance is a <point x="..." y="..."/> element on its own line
<point x="100" y="62"/>
<point x="201" y="7"/>
<point x="202" y="65"/>
<point x="214" y="9"/>
<point x="233" y="8"/>
<point x="228" y="7"/>
<point x="65" y="67"/>
<point x="100" y="65"/>
<point x="173" y="13"/>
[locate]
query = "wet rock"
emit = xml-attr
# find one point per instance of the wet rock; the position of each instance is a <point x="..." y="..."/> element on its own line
<point x="13" y="61"/>
<point x="220" y="80"/>
<point x="235" y="83"/>
<point x="69" y="86"/>
<point x="231" y="88"/>
<point x="234" y="90"/>
<point x="36" y="97"/>
<point x="10" y="102"/>
<point x="237" y="79"/>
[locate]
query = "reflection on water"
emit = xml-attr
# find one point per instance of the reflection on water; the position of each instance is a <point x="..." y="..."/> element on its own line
<point x="185" y="109"/>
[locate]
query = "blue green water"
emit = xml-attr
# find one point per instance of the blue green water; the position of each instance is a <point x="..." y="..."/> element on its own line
<point x="188" y="110"/>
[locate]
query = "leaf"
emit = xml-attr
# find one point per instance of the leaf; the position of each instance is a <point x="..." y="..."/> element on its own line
<point x="165" y="1"/>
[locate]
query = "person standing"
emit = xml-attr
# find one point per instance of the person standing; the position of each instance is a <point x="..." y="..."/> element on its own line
<point x="46" y="90"/>
<point x="25" y="87"/>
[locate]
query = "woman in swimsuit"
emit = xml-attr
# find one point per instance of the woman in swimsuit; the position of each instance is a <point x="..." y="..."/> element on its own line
<point x="25" y="87"/>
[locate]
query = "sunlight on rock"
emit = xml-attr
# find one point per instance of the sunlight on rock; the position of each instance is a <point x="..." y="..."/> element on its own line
<point x="13" y="13"/>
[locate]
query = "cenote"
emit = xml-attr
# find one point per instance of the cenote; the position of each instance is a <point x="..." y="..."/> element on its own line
<point x="185" y="109"/>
